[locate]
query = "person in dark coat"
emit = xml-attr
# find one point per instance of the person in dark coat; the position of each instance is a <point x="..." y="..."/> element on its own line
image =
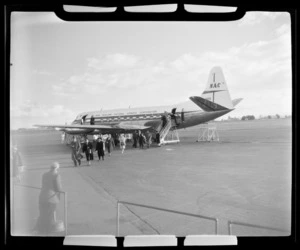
<point x="141" y="139"/>
<point x="116" y="139"/>
<point x="100" y="148"/>
<point x="135" y="139"/>
<point x="48" y="199"/>
<point x="87" y="148"/>
<point x="157" y="138"/>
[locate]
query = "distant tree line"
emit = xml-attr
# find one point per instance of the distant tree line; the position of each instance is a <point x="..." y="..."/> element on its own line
<point x="248" y="117"/>
<point x="270" y="117"/>
<point x="252" y="117"/>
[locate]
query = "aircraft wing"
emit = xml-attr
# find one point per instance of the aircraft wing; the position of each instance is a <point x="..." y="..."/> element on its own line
<point x="70" y="126"/>
<point x="94" y="129"/>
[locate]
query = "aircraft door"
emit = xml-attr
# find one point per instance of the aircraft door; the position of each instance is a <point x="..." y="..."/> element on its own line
<point x="173" y="116"/>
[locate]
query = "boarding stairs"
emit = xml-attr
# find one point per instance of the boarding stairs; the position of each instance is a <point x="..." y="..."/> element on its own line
<point x="167" y="135"/>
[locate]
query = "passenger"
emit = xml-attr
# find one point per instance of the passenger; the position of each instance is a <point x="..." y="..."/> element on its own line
<point x="144" y="139"/>
<point x="168" y="117"/>
<point x="100" y="148"/>
<point x="135" y="139"/>
<point x="157" y="138"/>
<point x="94" y="142"/>
<point x="109" y="144"/>
<point x="95" y="137"/>
<point x="48" y="199"/>
<point x="164" y="120"/>
<point x="87" y="148"/>
<point x="138" y="138"/>
<point x="63" y="137"/>
<point x="122" y="142"/>
<point x="149" y="139"/>
<point x="93" y="148"/>
<point x="116" y="139"/>
<point x="175" y="119"/>
<point x="141" y="140"/>
<point x="75" y="151"/>
<point x="17" y="164"/>
<point x="92" y="122"/>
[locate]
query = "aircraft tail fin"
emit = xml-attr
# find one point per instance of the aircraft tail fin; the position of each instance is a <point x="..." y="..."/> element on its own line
<point x="216" y="89"/>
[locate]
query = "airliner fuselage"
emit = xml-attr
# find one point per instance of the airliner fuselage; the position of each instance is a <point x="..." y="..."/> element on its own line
<point x="184" y="115"/>
<point x="214" y="102"/>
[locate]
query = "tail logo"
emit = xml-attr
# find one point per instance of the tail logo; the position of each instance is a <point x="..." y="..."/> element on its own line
<point x="215" y="85"/>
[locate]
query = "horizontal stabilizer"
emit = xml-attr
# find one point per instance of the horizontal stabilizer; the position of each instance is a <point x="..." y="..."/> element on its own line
<point x="207" y="105"/>
<point x="236" y="101"/>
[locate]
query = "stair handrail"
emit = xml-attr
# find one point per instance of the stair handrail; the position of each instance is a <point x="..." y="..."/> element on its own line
<point x="164" y="129"/>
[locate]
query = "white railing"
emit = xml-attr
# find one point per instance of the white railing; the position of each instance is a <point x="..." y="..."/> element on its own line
<point x="165" y="130"/>
<point x="230" y="223"/>
<point x="164" y="210"/>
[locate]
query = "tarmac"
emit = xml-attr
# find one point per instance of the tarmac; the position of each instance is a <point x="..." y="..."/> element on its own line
<point x="245" y="177"/>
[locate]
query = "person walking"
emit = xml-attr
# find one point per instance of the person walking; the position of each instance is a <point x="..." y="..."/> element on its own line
<point x="141" y="140"/>
<point x="48" y="199"/>
<point x="144" y="139"/>
<point x="109" y="144"/>
<point x="122" y="142"/>
<point x="135" y="139"/>
<point x="75" y="151"/>
<point x="164" y="120"/>
<point x="148" y="139"/>
<point x="87" y="148"/>
<point x="157" y="138"/>
<point x="100" y="147"/>
<point x="116" y="139"/>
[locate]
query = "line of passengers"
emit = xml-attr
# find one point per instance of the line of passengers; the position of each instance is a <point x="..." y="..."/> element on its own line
<point x="100" y="144"/>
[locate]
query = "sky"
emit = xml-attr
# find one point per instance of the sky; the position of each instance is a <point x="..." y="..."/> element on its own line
<point x="60" y="69"/>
